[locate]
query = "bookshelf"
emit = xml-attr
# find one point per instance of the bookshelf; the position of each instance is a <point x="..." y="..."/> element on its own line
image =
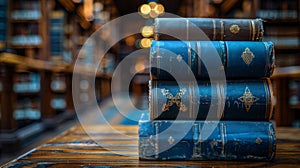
<point x="39" y="43"/>
<point x="282" y="27"/>
<point x="3" y="23"/>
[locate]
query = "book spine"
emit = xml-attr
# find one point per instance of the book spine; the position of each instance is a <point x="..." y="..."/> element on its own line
<point x="208" y="29"/>
<point x="229" y="140"/>
<point x="249" y="100"/>
<point x="237" y="59"/>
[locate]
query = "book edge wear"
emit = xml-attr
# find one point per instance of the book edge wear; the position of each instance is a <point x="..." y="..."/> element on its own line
<point x="208" y="29"/>
<point x="230" y="141"/>
<point x="251" y="100"/>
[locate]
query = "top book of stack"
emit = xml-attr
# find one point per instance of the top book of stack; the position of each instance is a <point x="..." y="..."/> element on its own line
<point x="208" y="29"/>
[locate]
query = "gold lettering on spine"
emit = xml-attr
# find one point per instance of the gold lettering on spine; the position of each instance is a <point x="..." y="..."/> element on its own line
<point x="272" y="101"/>
<point x="222" y="30"/>
<point x="253" y="29"/>
<point x="199" y="57"/>
<point x="214" y="29"/>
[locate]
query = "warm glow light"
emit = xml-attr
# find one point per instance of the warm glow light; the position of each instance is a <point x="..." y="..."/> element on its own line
<point x="147" y="31"/>
<point x="159" y="9"/>
<point x="145" y="9"/>
<point x="146" y="42"/>
<point x="88" y="10"/>
<point x="152" y="5"/>
<point x="130" y="40"/>
<point x="153" y="14"/>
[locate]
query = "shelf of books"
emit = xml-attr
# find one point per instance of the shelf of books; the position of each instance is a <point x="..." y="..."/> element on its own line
<point x="282" y="27"/>
<point x="39" y="44"/>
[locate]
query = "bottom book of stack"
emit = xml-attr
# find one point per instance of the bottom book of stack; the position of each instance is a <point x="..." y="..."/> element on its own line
<point x="205" y="140"/>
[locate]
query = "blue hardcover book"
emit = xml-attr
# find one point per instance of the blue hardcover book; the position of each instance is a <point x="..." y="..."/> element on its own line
<point x="208" y="29"/>
<point x="235" y="59"/>
<point x="206" y="140"/>
<point x="250" y="100"/>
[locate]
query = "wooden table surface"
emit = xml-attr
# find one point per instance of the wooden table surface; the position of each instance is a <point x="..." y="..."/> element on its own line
<point x="75" y="148"/>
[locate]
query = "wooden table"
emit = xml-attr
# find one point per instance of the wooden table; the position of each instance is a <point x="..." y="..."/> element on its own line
<point x="75" y="148"/>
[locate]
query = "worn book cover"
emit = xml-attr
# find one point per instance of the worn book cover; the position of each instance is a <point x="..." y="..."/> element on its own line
<point x="250" y="100"/>
<point x="206" y="140"/>
<point x="204" y="59"/>
<point x="208" y="29"/>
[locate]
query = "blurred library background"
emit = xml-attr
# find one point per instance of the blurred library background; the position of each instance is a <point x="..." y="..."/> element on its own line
<point x="40" y="42"/>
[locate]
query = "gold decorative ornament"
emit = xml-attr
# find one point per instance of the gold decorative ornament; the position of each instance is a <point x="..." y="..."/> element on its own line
<point x="173" y="100"/>
<point x="179" y="58"/>
<point x="247" y="56"/>
<point x="235" y="29"/>
<point x="258" y="141"/>
<point x="248" y="99"/>
<point x="171" y="140"/>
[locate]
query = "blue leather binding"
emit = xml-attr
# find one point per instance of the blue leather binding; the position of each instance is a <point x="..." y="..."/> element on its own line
<point x="250" y="100"/>
<point x="230" y="140"/>
<point x="238" y="59"/>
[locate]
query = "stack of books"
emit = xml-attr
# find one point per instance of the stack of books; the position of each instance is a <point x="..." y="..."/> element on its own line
<point x="210" y="93"/>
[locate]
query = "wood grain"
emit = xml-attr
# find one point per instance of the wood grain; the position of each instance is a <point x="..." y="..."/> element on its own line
<point x="75" y="148"/>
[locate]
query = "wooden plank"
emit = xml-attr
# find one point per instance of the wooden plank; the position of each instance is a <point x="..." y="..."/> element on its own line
<point x="75" y="148"/>
<point x="30" y="63"/>
<point x="291" y="71"/>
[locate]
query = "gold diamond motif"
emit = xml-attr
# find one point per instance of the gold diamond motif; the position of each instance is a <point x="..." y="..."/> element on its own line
<point x="173" y="99"/>
<point x="248" y="99"/>
<point x="234" y="29"/>
<point x="171" y="140"/>
<point x="247" y="56"/>
<point x="179" y="58"/>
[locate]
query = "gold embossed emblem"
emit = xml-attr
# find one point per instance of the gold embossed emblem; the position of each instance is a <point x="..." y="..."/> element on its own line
<point x="171" y="140"/>
<point x="258" y="141"/>
<point x="248" y="99"/>
<point x="179" y="58"/>
<point x="173" y="99"/>
<point x="235" y="29"/>
<point x="248" y="56"/>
